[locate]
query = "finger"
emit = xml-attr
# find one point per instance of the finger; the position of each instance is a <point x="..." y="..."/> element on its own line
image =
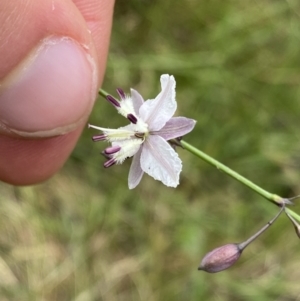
<point x="97" y="14"/>
<point x="24" y="162"/>
<point x="50" y="69"/>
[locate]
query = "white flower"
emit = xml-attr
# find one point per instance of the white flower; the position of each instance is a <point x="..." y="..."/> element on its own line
<point x="146" y="137"/>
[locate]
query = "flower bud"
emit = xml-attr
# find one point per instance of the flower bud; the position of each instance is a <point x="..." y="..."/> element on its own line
<point x="224" y="257"/>
<point x="220" y="258"/>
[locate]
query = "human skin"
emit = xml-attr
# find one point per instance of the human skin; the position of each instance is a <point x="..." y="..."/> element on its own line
<point x="52" y="61"/>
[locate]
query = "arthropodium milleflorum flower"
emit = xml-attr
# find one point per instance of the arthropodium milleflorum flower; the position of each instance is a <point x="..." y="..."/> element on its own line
<point x="146" y="137"/>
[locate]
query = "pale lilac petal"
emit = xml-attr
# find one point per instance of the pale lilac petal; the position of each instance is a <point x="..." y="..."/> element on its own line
<point x="176" y="127"/>
<point x="137" y="100"/>
<point x="160" y="161"/>
<point x="156" y="112"/>
<point x="135" y="172"/>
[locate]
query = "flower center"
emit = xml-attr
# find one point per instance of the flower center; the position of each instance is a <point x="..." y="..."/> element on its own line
<point x="140" y="135"/>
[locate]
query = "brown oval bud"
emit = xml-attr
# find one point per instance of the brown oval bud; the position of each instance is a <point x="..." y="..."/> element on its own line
<point x="220" y="258"/>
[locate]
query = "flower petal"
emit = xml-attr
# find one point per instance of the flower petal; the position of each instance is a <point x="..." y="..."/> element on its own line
<point x="160" y="161"/>
<point x="135" y="172"/>
<point x="176" y="127"/>
<point x="156" y="112"/>
<point x="137" y="100"/>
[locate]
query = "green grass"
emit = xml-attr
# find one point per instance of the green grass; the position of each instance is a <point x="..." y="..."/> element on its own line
<point x="84" y="236"/>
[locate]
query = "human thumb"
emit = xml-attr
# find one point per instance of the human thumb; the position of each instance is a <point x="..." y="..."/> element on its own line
<point x="50" y="69"/>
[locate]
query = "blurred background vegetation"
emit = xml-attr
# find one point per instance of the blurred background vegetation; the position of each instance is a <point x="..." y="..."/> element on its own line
<point x="84" y="236"/>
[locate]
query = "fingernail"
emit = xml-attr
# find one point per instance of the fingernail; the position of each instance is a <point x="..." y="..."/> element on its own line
<point x="50" y="92"/>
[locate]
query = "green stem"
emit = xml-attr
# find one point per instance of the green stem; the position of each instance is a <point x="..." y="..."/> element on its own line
<point x="276" y="199"/>
<point x="269" y="196"/>
<point x="102" y="93"/>
<point x="293" y="214"/>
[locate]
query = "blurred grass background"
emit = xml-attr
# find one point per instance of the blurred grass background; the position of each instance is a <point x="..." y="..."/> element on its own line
<point x="84" y="236"/>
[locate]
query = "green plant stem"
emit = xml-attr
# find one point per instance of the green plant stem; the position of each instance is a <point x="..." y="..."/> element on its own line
<point x="276" y="199"/>
<point x="102" y="93"/>
<point x="269" y="196"/>
<point x="293" y="214"/>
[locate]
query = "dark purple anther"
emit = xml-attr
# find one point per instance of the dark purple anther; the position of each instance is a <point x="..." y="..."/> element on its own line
<point x="112" y="150"/>
<point x="132" y="118"/>
<point x="113" y="101"/>
<point x="99" y="138"/>
<point x="105" y="155"/>
<point x="109" y="163"/>
<point x="121" y="93"/>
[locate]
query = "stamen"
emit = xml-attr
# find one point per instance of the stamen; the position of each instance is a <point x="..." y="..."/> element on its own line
<point x="139" y="135"/>
<point x="99" y="138"/>
<point x="132" y="118"/>
<point x="106" y="156"/>
<point x="112" y="150"/>
<point x="109" y="163"/>
<point x="113" y="101"/>
<point x="121" y="93"/>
